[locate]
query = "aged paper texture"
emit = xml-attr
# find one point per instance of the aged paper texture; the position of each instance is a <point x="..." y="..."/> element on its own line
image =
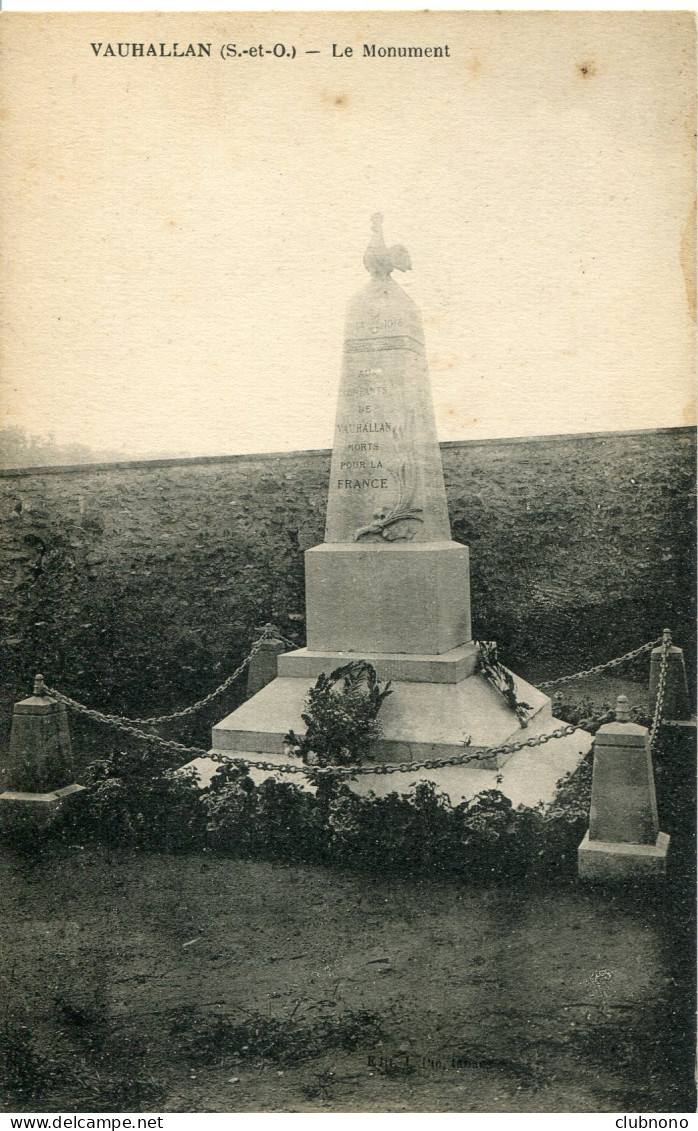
<point x="181" y="234"/>
<point x="185" y="202"/>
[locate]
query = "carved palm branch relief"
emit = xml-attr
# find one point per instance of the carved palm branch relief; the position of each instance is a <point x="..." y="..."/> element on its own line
<point x="403" y="508"/>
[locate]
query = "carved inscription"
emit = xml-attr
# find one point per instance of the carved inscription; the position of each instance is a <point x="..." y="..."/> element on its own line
<point x="361" y="484"/>
<point x="373" y="454"/>
<point x="359" y="465"/>
<point x="363" y="426"/>
<point x="376" y="325"/>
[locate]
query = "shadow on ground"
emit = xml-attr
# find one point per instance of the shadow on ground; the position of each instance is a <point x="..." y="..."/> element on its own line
<point x="147" y="982"/>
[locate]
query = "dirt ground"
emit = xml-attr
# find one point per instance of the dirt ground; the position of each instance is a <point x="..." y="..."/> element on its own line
<point x="124" y="976"/>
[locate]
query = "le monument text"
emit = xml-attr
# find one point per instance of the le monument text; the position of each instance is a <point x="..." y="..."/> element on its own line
<point x="241" y="51"/>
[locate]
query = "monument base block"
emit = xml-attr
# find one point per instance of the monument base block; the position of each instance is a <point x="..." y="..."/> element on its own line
<point x="529" y="777"/>
<point x="607" y="861"/>
<point x="449" y="667"/>
<point x="387" y="597"/>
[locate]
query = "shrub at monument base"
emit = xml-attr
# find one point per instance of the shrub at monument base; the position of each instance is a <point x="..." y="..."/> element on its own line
<point x="275" y="820"/>
<point x="136" y="799"/>
<point x="130" y="802"/>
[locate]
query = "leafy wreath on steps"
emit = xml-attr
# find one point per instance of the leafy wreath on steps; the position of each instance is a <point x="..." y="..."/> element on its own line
<point x="501" y="679"/>
<point x="341" y="716"/>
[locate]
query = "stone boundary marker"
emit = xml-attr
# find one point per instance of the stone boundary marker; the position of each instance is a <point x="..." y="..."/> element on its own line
<point x="675" y="704"/>
<point x="623" y="841"/>
<point x="40" y="773"/>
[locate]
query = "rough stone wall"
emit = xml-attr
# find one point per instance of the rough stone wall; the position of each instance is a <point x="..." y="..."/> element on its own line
<point x="137" y="586"/>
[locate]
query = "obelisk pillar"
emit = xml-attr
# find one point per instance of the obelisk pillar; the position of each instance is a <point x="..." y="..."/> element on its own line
<point x="388" y="577"/>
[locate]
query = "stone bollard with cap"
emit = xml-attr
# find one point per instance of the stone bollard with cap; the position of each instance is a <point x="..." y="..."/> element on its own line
<point x="623" y="842"/>
<point x="263" y="667"/>
<point x="675" y="706"/>
<point x="39" y="775"/>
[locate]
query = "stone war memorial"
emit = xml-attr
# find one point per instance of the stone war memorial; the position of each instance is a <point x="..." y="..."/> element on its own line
<point x="390" y="586"/>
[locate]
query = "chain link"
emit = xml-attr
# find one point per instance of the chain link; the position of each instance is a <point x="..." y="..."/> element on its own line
<point x="603" y="667"/>
<point x="132" y="726"/>
<point x="294" y="768"/>
<point x="381" y="768"/>
<point x="268" y="633"/>
<point x="124" y="726"/>
<point x="274" y="634"/>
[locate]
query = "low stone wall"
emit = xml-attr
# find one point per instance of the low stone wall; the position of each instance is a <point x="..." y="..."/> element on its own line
<point x="137" y="586"/>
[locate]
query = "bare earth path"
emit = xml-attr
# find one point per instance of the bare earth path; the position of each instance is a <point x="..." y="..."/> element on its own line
<point x="565" y="999"/>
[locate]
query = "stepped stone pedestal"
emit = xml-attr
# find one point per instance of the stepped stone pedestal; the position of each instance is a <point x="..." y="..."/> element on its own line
<point x="433" y="710"/>
<point x="388" y="584"/>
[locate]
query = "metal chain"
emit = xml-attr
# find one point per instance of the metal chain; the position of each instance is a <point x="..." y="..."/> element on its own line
<point x="125" y="727"/>
<point x="268" y="633"/>
<point x="404" y="767"/>
<point x="274" y="634"/>
<point x="291" y="768"/>
<point x="603" y="667"/>
<point x="661" y="689"/>
<point x="130" y="726"/>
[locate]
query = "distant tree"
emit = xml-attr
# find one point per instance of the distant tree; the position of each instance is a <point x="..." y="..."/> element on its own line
<point x="13" y="446"/>
<point x="17" y="449"/>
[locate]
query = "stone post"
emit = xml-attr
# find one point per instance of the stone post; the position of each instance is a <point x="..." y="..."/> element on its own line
<point x="623" y="841"/>
<point x="676" y="705"/>
<point x="39" y="774"/>
<point x="263" y="665"/>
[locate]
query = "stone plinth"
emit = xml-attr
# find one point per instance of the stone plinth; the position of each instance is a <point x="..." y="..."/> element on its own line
<point x="20" y="810"/>
<point x="605" y="861"/>
<point x="676" y="700"/>
<point x="448" y="667"/>
<point x="404" y="597"/>
<point x="39" y="774"/>
<point x="262" y="668"/>
<point x="40" y="755"/>
<point x="623" y="804"/>
<point x="529" y="777"/>
<point x="623" y="800"/>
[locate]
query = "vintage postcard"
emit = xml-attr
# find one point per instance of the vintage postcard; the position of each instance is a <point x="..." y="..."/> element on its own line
<point x="347" y="726"/>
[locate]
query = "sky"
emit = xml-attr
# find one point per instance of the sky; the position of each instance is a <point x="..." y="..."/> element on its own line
<point x="180" y="236"/>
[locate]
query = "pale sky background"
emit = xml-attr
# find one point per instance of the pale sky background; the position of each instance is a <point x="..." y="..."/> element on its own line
<point x="180" y="236"/>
